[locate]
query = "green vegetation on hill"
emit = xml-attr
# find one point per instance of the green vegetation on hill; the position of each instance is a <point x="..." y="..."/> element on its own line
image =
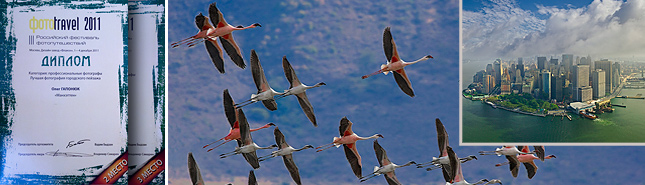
<point x="524" y="101"/>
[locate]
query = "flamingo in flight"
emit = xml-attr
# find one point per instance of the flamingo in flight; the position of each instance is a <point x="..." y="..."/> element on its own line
<point x="527" y="160"/>
<point x="395" y="64"/>
<point x="252" y="180"/>
<point x="286" y="151"/>
<point x="386" y="166"/>
<point x="442" y="162"/>
<point x="231" y="115"/>
<point x="297" y="88"/>
<point x="456" y="174"/>
<point x="246" y="146"/>
<point x="510" y="152"/>
<point x="193" y="171"/>
<point x="265" y="92"/>
<point x="348" y="140"/>
<point x="209" y="33"/>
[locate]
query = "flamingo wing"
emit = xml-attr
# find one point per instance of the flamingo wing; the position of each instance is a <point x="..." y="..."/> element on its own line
<point x="229" y="108"/>
<point x="514" y="164"/>
<point x="446" y="170"/>
<point x="279" y="138"/>
<point x="252" y="159"/>
<point x="525" y="149"/>
<point x="391" y="179"/>
<point x="307" y="108"/>
<point x="389" y="46"/>
<point x="345" y="128"/>
<point x="193" y="170"/>
<point x="270" y="104"/>
<point x="291" y="166"/>
<point x="202" y="23"/>
<point x="252" y="180"/>
<point x="261" y="81"/>
<point x="455" y="171"/>
<point x="245" y="132"/>
<point x="215" y="52"/>
<point x="531" y="168"/>
<point x="381" y="155"/>
<point x="442" y="138"/>
<point x="403" y="82"/>
<point x="290" y="73"/>
<point x="216" y="16"/>
<point x="353" y="158"/>
<point x="539" y="151"/>
<point x="232" y="50"/>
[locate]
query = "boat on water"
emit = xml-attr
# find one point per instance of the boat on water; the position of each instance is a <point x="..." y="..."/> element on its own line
<point x="491" y="104"/>
<point x="588" y="115"/>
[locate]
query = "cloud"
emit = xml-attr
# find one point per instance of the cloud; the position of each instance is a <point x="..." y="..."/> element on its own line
<point x="603" y="28"/>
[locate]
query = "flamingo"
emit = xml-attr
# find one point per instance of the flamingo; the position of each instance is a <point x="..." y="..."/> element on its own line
<point x="265" y="92"/>
<point x="510" y="152"/>
<point x="395" y="64"/>
<point x="386" y="166"/>
<point x="539" y="151"/>
<point x="286" y="152"/>
<point x="298" y="89"/>
<point x="443" y="162"/>
<point x="193" y="171"/>
<point x="231" y="115"/>
<point x="246" y="146"/>
<point x="527" y="160"/>
<point x="209" y="33"/>
<point x="348" y="140"/>
<point x="457" y="176"/>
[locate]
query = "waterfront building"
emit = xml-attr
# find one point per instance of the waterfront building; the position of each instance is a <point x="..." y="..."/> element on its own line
<point x="585" y="93"/>
<point x="579" y="79"/>
<point x="598" y="84"/>
<point x="606" y="66"/>
<point x="489" y="84"/>
<point x="557" y="87"/>
<point x="479" y="77"/>
<point x="546" y="84"/>
<point x="616" y="75"/>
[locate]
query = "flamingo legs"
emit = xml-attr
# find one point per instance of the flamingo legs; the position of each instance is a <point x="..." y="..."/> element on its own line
<point x="371" y="74"/>
<point x="217" y="145"/>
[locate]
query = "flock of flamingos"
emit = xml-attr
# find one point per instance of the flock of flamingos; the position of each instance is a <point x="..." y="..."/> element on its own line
<point x="448" y="161"/>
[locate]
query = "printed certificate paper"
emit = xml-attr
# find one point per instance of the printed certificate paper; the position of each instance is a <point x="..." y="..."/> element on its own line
<point x="146" y="44"/>
<point x="64" y="92"/>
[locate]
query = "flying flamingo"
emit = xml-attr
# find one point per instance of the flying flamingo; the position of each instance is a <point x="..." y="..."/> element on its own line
<point x="252" y="180"/>
<point x="386" y="166"/>
<point x="395" y="64"/>
<point x="265" y="92"/>
<point x="246" y="146"/>
<point x="286" y="152"/>
<point x="511" y="153"/>
<point x="348" y="140"/>
<point x="457" y="176"/>
<point x="193" y="171"/>
<point x="231" y="115"/>
<point x="298" y="89"/>
<point x="527" y="160"/>
<point x="210" y="33"/>
<point x="442" y="162"/>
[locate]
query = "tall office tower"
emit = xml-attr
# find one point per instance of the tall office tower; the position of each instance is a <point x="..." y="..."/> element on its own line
<point x="479" y="77"/>
<point x="518" y="76"/>
<point x="587" y="61"/>
<point x="546" y="83"/>
<point x="585" y="93"/>
<point x="598" y="84"/>
<point x="605" y="65"/>
<point x="541" y="63"/>
<point x="489" y="84"/>
<point x="567" y="61"/>
<point x="616" y="75"/>
<point x="489" y="69"/>
<point x="557" y="87"/>
<point x="520" y="66"/>
<point x="553" y="61"/>
<point x="579" y="79"/>
<point x="497" y="69"/>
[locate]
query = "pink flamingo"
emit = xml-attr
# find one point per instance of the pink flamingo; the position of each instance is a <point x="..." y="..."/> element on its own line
<point x="231" y="115"/>
<point x="510" y="152"/>
<point x="456" y="174"/>
<point x="348" y="140"/>
<point x="395" y="64"/>
<point x="245" y="145"/>
<point x="210" y="33"/>
<point x="527" y="160"/>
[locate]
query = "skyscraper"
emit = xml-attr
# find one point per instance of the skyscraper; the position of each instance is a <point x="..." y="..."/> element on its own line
<point x="567" y="61"/>
<point x="579" y="80"/>
<point x="616" y="75"/>
<point x="497" y="69"/>
<point x="541" y="63"/>
<point x="546" y="83"/>
<point x="520" y="66"/>
<point x="605" y="65"/>
<point x="598" y="84"/>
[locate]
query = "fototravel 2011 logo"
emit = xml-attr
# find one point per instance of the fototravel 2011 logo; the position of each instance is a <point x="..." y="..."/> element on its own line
<point x="89" y="23"/>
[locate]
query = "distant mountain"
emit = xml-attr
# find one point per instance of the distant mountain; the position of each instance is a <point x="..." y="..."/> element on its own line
<point x="337" y="42"/>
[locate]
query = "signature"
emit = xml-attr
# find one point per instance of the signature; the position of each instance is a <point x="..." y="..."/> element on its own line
<point x="58" y="153"/>
<point x="72" y="143"/>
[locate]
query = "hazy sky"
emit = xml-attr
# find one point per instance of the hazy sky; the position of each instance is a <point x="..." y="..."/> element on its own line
<point x="508" y="29"/>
